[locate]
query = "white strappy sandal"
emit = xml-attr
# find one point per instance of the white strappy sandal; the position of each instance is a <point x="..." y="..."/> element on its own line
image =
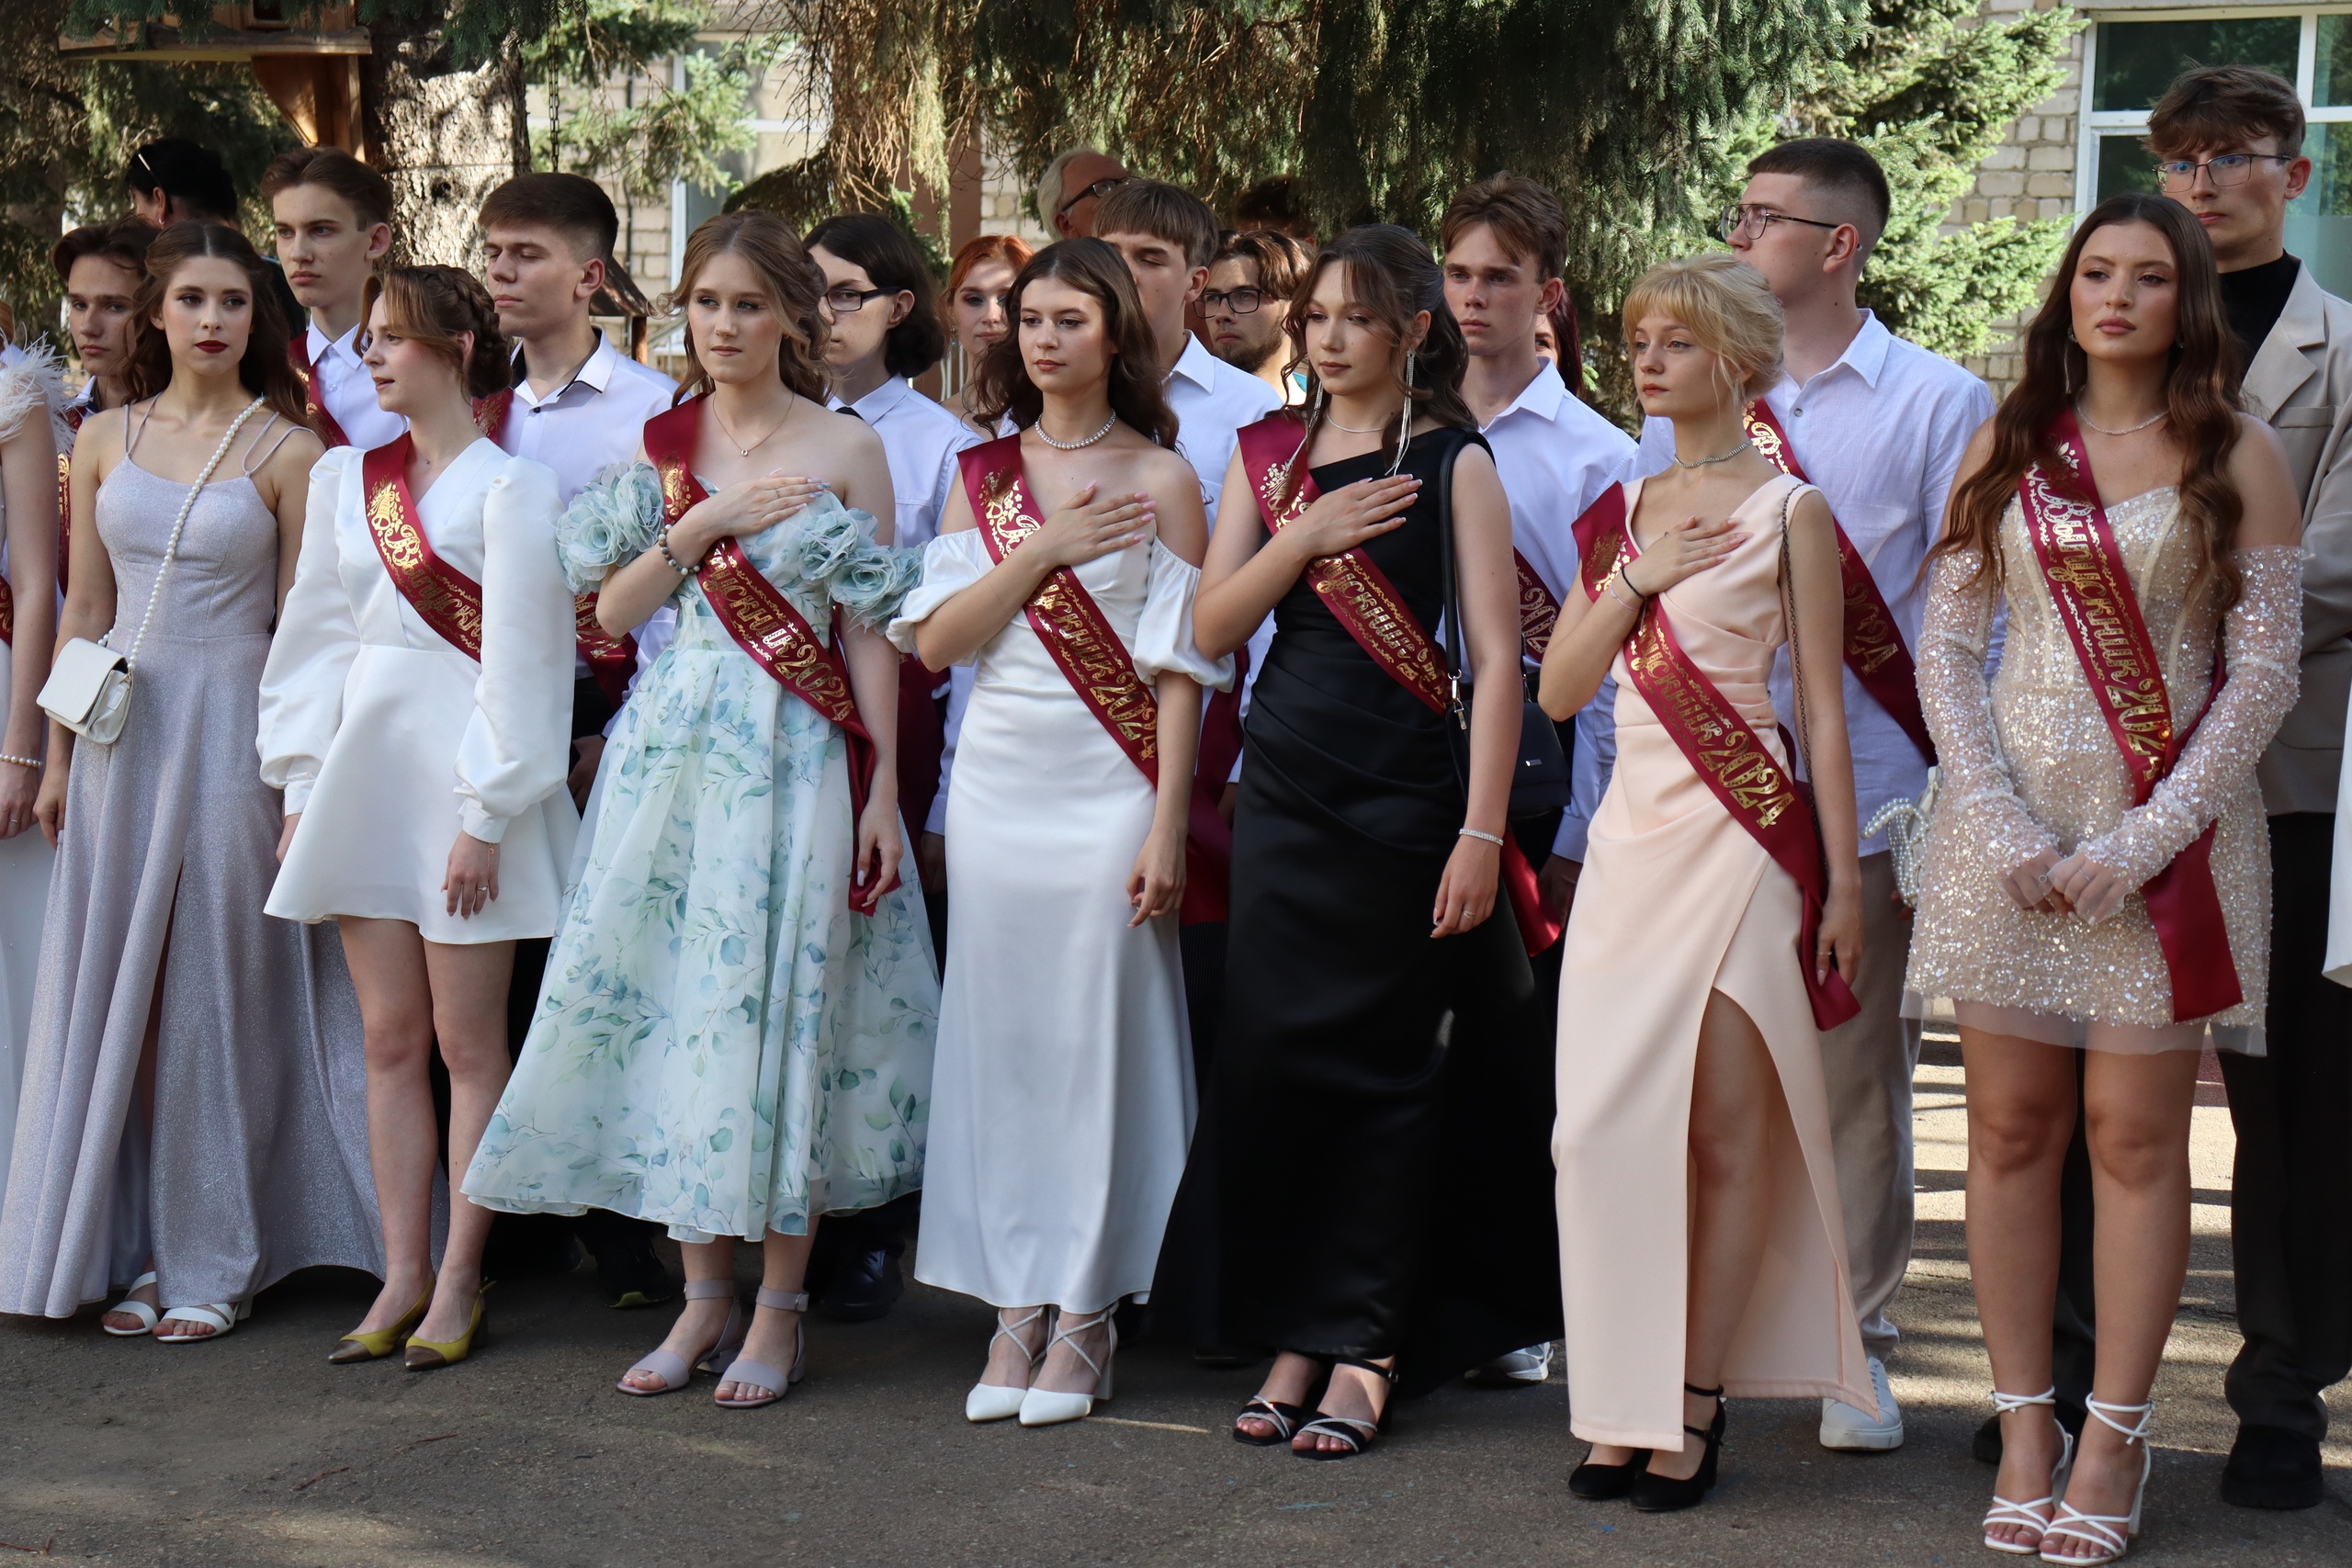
<point x="2036" y="1515"/>
<point x="1048" y="1407"/>
<point x="1000" y="1402"/>
<point x="148" y="1317"/>
<point x="220" y="1317"/>
<point x="2111" y="1533"/>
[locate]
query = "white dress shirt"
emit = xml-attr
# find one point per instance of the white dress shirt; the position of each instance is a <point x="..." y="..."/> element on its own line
<point x="590" y="423"/>
<point x="1213" y="400"/>
<point x="1554" y="455"/>
<point x="1882" y="432"/>
<point x="348" y="391"/>
<point x="922" y="439"/>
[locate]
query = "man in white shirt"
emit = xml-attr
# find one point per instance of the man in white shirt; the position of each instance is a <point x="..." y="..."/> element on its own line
<point x="1880" y="425"/>
<point x="333" y="220"/>
<point x="579" y="406"/>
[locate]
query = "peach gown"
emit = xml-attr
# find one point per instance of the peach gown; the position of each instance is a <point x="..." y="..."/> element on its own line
<point x="1677" y="899"/>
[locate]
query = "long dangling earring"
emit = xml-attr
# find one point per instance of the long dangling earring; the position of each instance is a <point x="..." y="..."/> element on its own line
<point x="1404" y="418"/>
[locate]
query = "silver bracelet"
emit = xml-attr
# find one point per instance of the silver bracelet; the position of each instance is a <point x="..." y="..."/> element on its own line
<point x="1494" y="839"/>
<point x="33" y="762"/>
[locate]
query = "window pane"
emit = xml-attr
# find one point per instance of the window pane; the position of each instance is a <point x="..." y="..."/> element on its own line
<point x="2124" y="164"/>
<point x="2332" y="82"/>
<point x="2319" y="224"/>
<point x="2137" y="60"/>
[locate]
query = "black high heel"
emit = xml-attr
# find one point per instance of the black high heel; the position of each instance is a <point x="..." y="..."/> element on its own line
<point x="1606" y="1483"/>
<point x="1285" y="1419"/>
<point x="1663" y="1494"/>
<point x="1355" y="1433"/>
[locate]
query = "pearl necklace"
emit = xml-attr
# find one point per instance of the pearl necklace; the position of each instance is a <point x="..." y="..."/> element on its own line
<point x="1073" y="446"/>
<point x="2130" y="429"/>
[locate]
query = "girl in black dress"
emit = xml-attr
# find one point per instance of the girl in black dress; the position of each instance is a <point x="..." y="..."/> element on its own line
<point x="1376" y="1053"/>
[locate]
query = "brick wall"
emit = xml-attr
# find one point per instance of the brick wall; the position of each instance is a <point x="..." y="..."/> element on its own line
<point x="2030" y="175"/>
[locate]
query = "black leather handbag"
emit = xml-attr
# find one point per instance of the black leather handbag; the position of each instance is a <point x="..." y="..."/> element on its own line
<point x="1540" y="783"/>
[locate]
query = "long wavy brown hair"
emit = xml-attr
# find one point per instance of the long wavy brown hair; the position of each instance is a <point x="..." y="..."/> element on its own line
<point x="794" y="285"/>
<point x="1093" y="268"/>
<point x="264" y="371"/>
<point x="2201" y="401"/>
<point x="1389" y="272"/>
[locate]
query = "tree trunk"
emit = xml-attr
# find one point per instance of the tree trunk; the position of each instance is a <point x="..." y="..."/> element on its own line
<point x="443" y="137"/>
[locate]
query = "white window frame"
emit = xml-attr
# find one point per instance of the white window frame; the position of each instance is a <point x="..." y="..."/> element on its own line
<point x="2093" y="125"/>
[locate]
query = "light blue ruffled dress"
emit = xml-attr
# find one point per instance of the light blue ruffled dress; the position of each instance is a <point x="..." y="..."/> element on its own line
<point x="721" y="1046"/>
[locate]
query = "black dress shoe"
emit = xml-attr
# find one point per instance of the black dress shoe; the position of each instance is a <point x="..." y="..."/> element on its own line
<point x="629" y="1273"/>
<point x="1985" y="1447"/>
<point x="2271" y="1467"/>
<point x="867" y="1284"/>
<point x="1606" y="1483"/>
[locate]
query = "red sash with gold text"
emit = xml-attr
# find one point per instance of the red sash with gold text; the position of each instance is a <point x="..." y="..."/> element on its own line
<point x="1874" y="650"/>
<point x="1361" y="598"/>
<point x="1760" y="793"/>
<point x="314" y="402"/>
<point x="2092" y="592"/>
<point x="1098" y="666"/>
<point x="1538" y="611"/>
<point x="763" y="621"/>
<point x="444" y="598"/>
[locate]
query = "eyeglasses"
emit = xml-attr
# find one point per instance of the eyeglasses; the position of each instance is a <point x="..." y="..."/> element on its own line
<point x="1100" y="188"/>
<point x="1747" y="217"/>
<point x="846" y="301"/>
<point x="1240" y="302"/>
<point x="2229" y="169"/>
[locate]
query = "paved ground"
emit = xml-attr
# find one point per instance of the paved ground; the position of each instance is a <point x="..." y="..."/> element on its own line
<point x="255" y="1451"/>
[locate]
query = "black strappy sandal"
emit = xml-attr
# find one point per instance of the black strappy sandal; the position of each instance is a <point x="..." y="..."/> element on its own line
<point x="1606" y="1483"/>
<point x="1285" y="1419"/>
<point x="1353" y="1430"/>
<point x="1664" y="1494"/>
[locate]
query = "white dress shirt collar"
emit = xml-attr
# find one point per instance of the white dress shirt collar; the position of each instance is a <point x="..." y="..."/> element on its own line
<point x="318" y="345"/>
<point x="1542" y="395"/>
<point x="1197" y="364"/>
<point x="878" y="403"/>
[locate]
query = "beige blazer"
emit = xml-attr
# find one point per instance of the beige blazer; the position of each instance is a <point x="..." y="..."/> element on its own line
<point x="2300" y="384"/>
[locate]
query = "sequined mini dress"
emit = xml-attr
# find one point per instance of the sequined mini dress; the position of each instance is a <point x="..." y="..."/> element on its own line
<point x="2029" y="763"/>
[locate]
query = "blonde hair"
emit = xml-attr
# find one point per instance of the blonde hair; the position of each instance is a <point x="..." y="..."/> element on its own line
<point x="1727" y="306"/>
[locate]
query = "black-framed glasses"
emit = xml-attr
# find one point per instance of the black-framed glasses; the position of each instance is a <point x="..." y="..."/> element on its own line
<point x="1752" y="219"/>
<point x="845" y="301"/>
<point x="1101" y="188"/>
<point x="1240" y="302"/>
<point x="2229" y="169"/>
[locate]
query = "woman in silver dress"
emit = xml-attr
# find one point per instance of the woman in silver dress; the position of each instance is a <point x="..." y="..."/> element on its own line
<point x="192" y="1120"/>
<point x="2096" y="874"/>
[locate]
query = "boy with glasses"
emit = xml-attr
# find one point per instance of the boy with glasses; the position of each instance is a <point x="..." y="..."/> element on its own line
<point x="2229" y="144"/>
<point x="1247" y="300"/>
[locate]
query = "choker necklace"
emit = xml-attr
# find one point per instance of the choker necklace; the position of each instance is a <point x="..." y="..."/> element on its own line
<point x="1681" y="462"/>
<point x="1380" y="429"/>
<point x="2128" y="430"/>
<point x="1073" y="446"/>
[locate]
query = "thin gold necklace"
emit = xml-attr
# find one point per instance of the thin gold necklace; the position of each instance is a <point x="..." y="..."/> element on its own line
<point x="741" y="450"/>
<point x="2126" y="430"/>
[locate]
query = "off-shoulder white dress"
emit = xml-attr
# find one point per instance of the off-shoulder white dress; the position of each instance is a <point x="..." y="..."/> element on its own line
<point x="2030" y="764"/>
<point x="389" y="741"/>
<point x="1062" y="1102"/>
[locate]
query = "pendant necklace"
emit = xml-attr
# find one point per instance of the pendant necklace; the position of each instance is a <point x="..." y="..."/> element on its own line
<point x="1681" y="462"/>
<point x="2128" y="430"/>
<point x="741" y="450"/>
<point x="1073" y="446"/>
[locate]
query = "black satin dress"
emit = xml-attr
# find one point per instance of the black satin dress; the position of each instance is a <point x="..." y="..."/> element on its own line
<point x="1383" y="1106"/>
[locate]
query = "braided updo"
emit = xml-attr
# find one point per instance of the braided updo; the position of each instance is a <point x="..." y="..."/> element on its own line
<point x="430" y="305"/>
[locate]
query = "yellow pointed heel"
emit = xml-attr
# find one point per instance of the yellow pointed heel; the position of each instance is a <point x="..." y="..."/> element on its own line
<point x="374" y="1344"/>
<point x="425" y="1355"/>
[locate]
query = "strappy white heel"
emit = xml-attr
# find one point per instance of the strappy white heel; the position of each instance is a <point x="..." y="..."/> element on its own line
<point x="1001" y="1402"/>
<point x="1045" y="1407"/>
<point x="2036" y="1515"/>
<point x="148" y="1317"/>
<point x="2111" y="1533"/>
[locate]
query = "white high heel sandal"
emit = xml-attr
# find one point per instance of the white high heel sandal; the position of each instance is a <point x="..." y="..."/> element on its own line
<point x="2101" y="1530"/>
<point x="1045" y="1407"/>
<point x="130" y="1304"/>
<point x="1000" y="1402"/>
<point x="2034" y="1516"/>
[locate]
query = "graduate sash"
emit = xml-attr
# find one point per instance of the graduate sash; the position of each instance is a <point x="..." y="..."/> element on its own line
<point x="2092" y="592"/>
<point x="1538" y="611"/>
<point x="763" y="621"/>
<point x="1361" y="598"/>
<point x="1755" y="788"/>
<point x="444" y="598"/>
<point x="1874" y="650"/>
<point x="314" y="402"/>
<point x="1087" y="649"/>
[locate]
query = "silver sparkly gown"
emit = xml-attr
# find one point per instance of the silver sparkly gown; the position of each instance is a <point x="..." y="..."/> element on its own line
<point x="2031" y="764"/>
<point x="257" y="1160"/>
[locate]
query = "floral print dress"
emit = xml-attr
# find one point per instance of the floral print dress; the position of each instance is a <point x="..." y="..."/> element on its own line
<point x="721" y="1045"/>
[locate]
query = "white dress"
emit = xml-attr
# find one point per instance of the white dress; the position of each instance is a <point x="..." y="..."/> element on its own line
<point x="389" y="741"/>
<point x="1062" y="1091"/>
<point x="28" y="387"/>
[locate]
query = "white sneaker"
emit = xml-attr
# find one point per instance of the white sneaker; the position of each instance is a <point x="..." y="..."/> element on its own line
<point x="1532" y="1365"/>
<point x="1845" y="1427"/>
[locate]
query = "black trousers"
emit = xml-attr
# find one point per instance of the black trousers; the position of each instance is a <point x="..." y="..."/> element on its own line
<point x="2290" y="1203"/>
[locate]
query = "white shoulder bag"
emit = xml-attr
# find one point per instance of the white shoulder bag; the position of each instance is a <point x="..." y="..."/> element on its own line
<point x="88" y="690"/>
